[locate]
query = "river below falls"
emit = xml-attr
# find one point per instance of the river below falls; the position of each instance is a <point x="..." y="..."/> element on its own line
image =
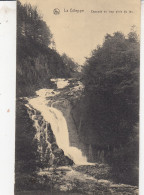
<point x="83" y="177"/>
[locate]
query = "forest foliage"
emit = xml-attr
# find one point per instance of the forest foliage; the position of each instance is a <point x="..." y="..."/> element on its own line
<point x="109" y="109"/>
<point x="37" y="60"/>
<point x="111" y="99"/>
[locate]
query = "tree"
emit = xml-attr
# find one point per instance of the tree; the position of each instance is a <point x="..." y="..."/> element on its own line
<point x="111" y="78"/>
<point x="31" y="25"/>
<point x="71" y="65"/>
<point x="37" y="63"/>
<point x="111" y="99"/>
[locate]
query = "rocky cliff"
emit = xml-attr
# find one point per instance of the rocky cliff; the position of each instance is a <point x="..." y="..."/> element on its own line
<point x="50" y="153"/>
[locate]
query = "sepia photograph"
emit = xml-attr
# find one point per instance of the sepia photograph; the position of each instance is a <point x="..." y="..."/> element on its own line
<point x="77" y="97"/>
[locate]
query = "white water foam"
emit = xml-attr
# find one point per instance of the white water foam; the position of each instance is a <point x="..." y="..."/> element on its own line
<point x="58" y="125"/>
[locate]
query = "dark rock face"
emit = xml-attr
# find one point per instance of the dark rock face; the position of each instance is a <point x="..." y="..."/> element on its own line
<point x="54" y="146"/>
<point x="51" y="137"/>
<point x="62" y="160"/>
<point x="50" y="153"/>
<point x="58" y="152"/>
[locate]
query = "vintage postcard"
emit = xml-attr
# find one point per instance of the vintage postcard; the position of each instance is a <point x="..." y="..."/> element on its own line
<point x="77" y="97"/>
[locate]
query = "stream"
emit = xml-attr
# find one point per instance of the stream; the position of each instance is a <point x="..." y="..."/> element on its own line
<point x="49" y="110"/>
<point x="57" y="121"/>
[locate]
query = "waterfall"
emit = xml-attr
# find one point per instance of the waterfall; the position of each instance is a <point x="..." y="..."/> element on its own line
<point x="44" y="146"/>
<point x="58" y="125"/>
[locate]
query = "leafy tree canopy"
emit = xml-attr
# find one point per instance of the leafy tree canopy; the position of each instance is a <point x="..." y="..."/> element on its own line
<point x="111" y="78"/>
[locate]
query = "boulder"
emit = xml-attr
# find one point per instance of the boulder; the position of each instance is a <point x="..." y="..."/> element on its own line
<point x="54" y="146"/>
<point x="58" y="152"/>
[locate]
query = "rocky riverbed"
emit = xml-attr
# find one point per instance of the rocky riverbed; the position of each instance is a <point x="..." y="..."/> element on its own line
<point x="86" y="179"/>
<point x="60" y="174"/>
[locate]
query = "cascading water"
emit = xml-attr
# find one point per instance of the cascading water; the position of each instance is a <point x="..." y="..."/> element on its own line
<point x="41" y="135"/>
<point x="58" y="125"/>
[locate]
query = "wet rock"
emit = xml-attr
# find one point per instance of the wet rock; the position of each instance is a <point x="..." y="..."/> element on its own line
<point x="58" y="152"/>
<point x="51" y="137"/>
<point x="66" y="187"/>
<point x="49" y="127"/>
<point x="39" y="117"/>
<point x="34" y="117"/>
<point x="32" y="111"/>
<point x="63" y="161"/>
<point x="44" y="125"/>
<point x="38" y="112"/>
<point x="40" y="122"/>
<point x="68" y="161"/>
<point x="54" y="146"/>
<point x="104" y="182"/>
